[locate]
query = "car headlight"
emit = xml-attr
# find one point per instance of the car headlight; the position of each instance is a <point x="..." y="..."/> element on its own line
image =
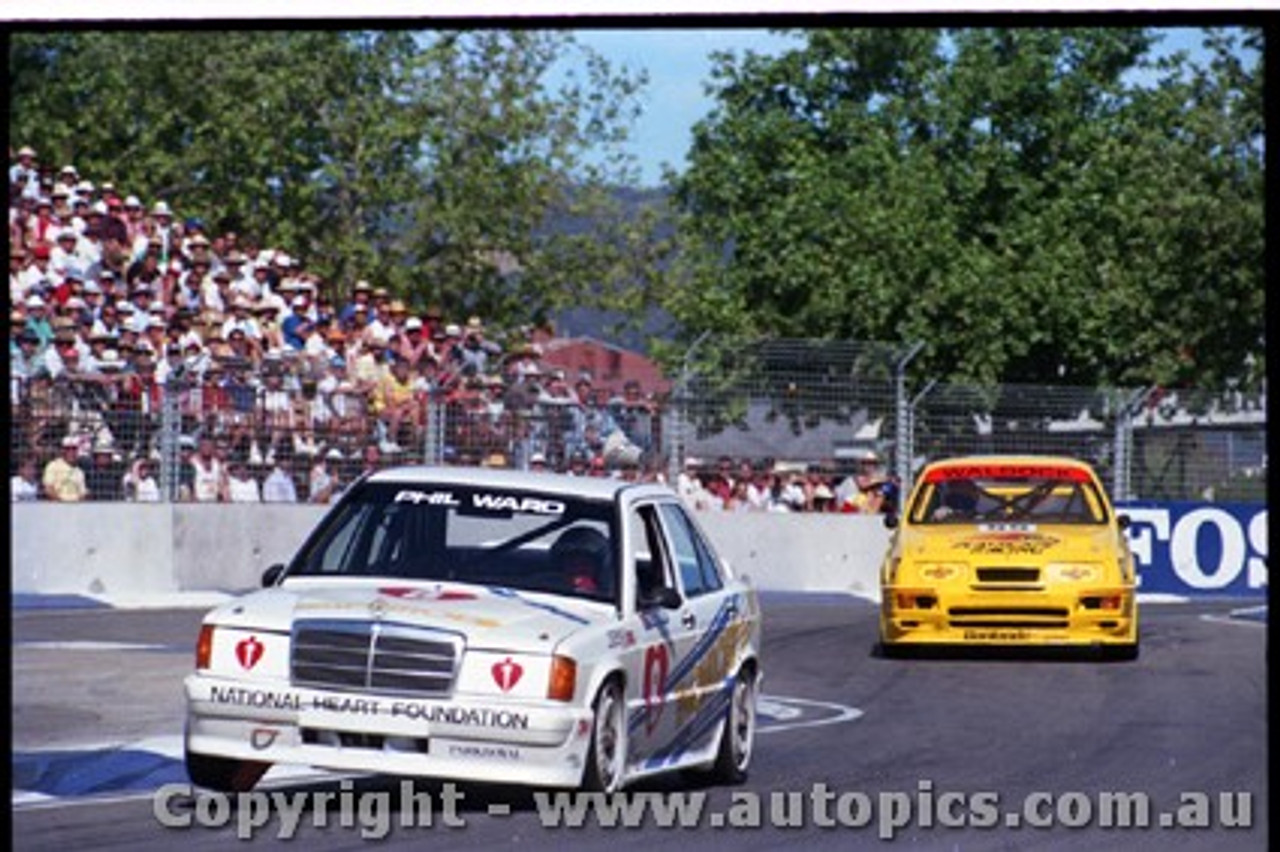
<point x="1074" y="572"/>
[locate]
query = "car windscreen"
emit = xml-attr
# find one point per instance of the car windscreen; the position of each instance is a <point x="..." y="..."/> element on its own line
<point x="496" y="537"/>
<point x="1008" y="493"/>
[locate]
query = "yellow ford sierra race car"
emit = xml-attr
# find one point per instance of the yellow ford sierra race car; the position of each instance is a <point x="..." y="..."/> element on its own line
<point x="485" y="625"/>
<point x="1009" y="550"/>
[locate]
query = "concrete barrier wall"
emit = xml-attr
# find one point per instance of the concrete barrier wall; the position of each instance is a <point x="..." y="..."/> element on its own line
<point x="129" y="549"/>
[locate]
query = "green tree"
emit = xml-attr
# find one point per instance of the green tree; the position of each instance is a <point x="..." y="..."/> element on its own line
<point x="443" y="165"/>
<point x="1013" y="198"/>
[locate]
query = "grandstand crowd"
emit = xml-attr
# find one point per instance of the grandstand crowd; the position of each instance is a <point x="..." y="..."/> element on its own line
<point x="285" y="387"/>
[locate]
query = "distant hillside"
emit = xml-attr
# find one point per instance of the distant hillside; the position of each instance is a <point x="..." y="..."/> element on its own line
<point x="588" y="322"/>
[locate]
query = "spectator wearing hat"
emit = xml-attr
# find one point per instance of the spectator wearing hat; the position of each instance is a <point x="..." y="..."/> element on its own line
<point x="268" y="319"/>
<point x="297" y="325"/>
<point x="63" y="479"/>
<point x="412" y="343"/>
<point x="26" y="362"/>
<point x="38" y="320"/>
<point x="25" y="174"/>
<point x="322" y="481"/>
<point x="61" y="197"/>
<point x="139" y="484"/>
<point x="62" y="359"/>
<point x="472" y="357"/>
<point x="382" y="325"/>
<point x="359" y="322"/>
<point x="67" y="179"/>
<point x="863" y="492"/>
<point x="194" y="239"/>
<point x="348" y="406"/>
<point x="243" y="282"/>
<point x="134" y="218"/>
<point x="99" y="345"/>
<point x="162" y="226"/>
<point x="63" y="256"/>
<point x="242" y="319"/>
<point x="360" y="295"/>
<point x="105" y="475"/>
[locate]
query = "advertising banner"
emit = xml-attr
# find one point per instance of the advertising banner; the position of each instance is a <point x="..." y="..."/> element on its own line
<point x="1199" y="549"/>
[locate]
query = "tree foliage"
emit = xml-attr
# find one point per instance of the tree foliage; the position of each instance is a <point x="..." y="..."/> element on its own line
<point x="443" y="165"/>
<point x="1035" y="205"/>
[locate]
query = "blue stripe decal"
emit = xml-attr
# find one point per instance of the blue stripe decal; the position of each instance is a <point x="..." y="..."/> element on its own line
<point x="723" y="618"/>
<point x="703" y="722"/>
<point x="504" y="592"/>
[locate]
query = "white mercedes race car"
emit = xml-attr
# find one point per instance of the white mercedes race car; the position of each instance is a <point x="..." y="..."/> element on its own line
<point x="485" y="625"/>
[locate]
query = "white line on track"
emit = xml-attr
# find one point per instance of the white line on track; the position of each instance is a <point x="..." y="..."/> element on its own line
<point x="840" y="713"/>
<point x="88" y="645"/>
<point x="1234" y="617"/>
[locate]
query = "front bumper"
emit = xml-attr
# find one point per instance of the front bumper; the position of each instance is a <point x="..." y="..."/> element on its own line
<point x="952" y="615"/>
<point x="473" y="739"/>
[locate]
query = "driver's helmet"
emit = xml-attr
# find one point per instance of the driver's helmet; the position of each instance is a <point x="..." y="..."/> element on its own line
<point x="582" y="554"/>
<point x="961" y="496"/>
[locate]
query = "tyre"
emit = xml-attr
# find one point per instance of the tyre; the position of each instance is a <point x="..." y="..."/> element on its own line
<point x="223" y="774"/>
<point x="607" y="753"/>
<point x="738" y="740"/>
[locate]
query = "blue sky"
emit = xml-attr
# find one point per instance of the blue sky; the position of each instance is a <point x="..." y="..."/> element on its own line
<point x="679" y="66"/>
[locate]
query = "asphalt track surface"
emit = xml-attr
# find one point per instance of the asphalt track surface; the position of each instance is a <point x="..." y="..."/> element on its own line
<point x="1188" y="716"/>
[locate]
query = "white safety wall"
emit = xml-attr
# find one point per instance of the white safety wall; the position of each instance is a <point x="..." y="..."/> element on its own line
<point x="128" y="549"/>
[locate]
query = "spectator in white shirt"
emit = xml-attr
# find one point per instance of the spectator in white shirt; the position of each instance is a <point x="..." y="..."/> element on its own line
<point x="279" y="486"/>
<point x="241" y="485"/>
<point x="24" y="486"/>
<point x="140" y="485"/>
<point x="241" y="319"/>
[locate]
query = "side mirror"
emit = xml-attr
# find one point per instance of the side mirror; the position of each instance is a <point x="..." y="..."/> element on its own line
<point x="1123" y="521"/>
<point x="891" y="521"/>
<point x="663" y="597"/>
<point x="271" y="576"/>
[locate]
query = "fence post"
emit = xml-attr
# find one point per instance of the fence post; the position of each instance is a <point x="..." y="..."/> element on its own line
<point x="914" y="405"/>
<point x="170" y="432"/>
<point x="433" y="438"/>
<point x="903" y="450"/>
<point x="678" y="440"/>
<point x="1122" y="476"/>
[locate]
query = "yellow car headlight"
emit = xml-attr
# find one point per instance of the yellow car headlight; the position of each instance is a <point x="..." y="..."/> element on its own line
<point x="1072" y="572"/>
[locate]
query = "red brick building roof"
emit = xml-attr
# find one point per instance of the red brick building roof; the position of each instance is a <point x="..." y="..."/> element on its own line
<point x="609" y="366"/>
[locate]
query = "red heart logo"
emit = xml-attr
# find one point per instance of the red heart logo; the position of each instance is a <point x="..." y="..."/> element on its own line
<point x="249" y="651"/>
<point x="506" y="674"/>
